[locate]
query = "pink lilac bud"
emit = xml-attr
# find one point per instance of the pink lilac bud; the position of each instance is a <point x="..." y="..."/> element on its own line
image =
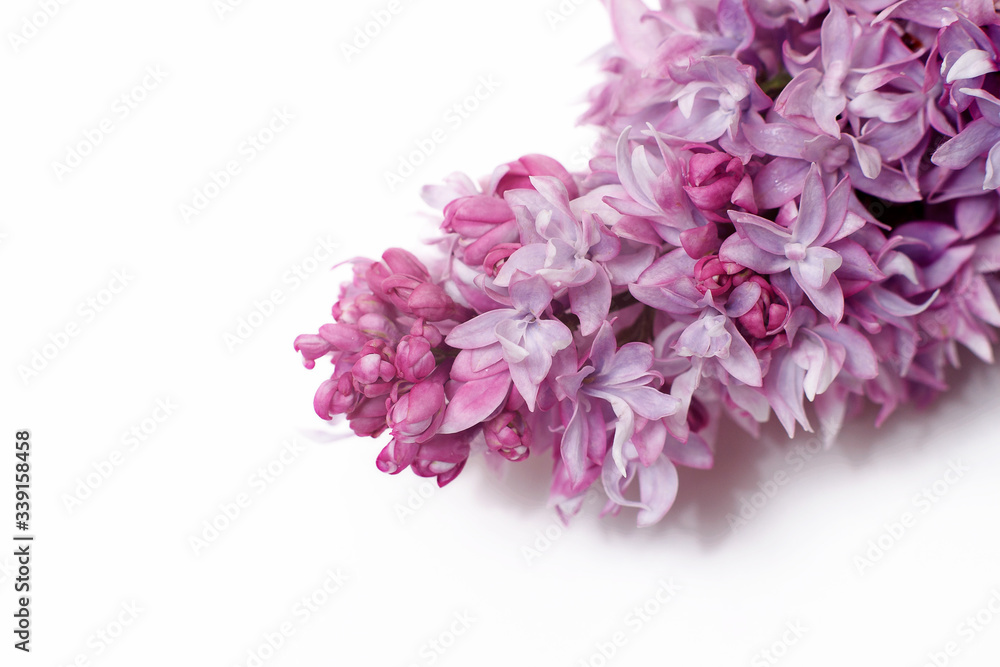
<point x="497" y="257"/>
<point x="472" y="217"/>
<point x="312" y="347"/>
<point x="520" y="172"/>
<point x="442" y="456"/>
<point x="768" y="315"/>
<point x="415" y="358"/>
<point x="374" y="372"/>
<point x="397" y="277"/>
<point x="374" y="276"/>
<point x="344" y="397"/>
<point x="368" y="418"/>
<point x="322" y="398"/>
<point x="711" y="180"/>
<point x="398" y="288"/>
<point x="404" y="262"/>
<point x="430" y="302"/>
<point x="482" y="222"/>
<point x="711" y="276"/>
<point x="417" y="414"/>
<point x="700" y="241"/>
<point x="377" y="325"/>
<point x="353" y="309"/>
<point x="396" y="456"/>
<point x="343" y="337"/>
<point x="508" y="435"/>
<point x="429" y="331"/>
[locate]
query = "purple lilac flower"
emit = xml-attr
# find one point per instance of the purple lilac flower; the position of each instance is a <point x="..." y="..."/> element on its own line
<point x="792" y="210"/>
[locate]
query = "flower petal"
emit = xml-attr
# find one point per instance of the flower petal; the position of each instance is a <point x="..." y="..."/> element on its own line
<point x="742" y="363"/>
<point x="970" y="143"/>
<point x="474" y="402"/>
<point x="480" y="331"/>
<point x="828" y="299"/>
<point x="743" y="252"/>
<point x="591" y="302"/>
<point x="657" y="490"/>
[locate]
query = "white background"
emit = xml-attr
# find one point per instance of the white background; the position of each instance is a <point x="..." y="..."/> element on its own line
<point x="484" y="549"/>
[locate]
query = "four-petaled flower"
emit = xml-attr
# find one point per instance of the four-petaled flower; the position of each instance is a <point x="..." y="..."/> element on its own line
<point x="799" y="245"/>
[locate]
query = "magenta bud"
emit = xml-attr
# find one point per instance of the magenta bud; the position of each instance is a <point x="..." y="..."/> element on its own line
<point x="508" y="435"/>
<point x="520" y="172"/>
<point x="323" y="398"/>
<point x="700" y="241"/>
<point x="414" y="358"/>
<point x="497" y="257"/>
<point x="471" y="217"/>
<point x="368" y="418"/>
<point x="396" y="456"/>
<point x="417" y="414"/>
<point x="753" y="321"/>
<point x="430" y="302"/>
<point x="475" y="253"/>
<point x="777" y="313"/>
<point x="312" y="347"/>
<point x="345" y="397"/>
<point x="374" y="276"/>
<point x="697" y="416"/>
<point x="429" y="331"/>
<point x="406" y="263"/>
<point x="766" y="316"/>
<point x="373" y="368"/>
<point x="712" y="179"/>
<point x="398" y="288"/>
<point x="442" y="456"/>
<point x="711" y="275"/>
<point x="343" y="337"/>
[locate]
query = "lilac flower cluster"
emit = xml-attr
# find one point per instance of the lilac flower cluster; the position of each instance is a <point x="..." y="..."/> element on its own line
<point x="792" y="210"/>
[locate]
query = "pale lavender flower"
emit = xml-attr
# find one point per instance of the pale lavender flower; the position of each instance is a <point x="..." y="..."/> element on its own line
<point x="776" y="13"/>
<point x="707" y="330"/>
<point x="567" y="253"/>
<point x="527" y="341"/>
<point x="652" y="200"/>
<point x="848" y="63"/>
<point x="657" y="485"/>
<point x="938" y="14"/>
<point x="795" y="150"/>
<point x="801" y="245"/>
<point x="979" y="137"/>
<point x="716" y="95"/>
<point x="620" y="378"/>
